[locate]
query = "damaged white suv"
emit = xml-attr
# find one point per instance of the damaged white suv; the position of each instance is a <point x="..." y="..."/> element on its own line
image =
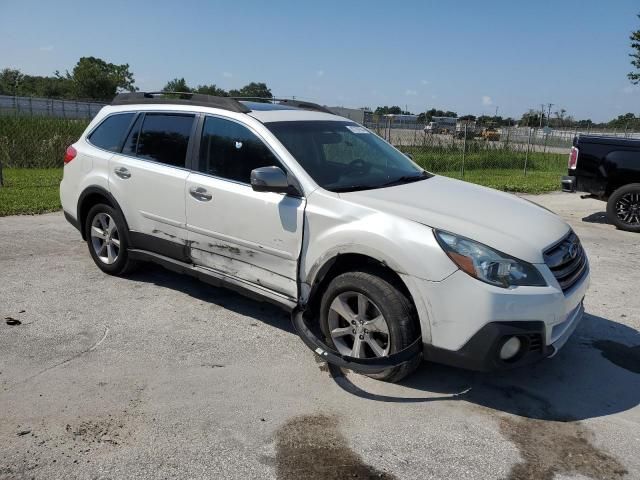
<point x="381" y="263"/>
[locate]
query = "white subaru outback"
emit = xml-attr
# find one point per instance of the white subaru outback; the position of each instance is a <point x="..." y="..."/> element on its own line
<point x="381" y="263"/>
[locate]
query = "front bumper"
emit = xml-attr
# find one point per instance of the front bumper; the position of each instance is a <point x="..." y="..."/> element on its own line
<point x="481" y="352"/>
<point x="469" y="320"/>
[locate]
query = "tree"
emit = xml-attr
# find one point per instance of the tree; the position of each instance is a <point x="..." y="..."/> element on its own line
<point x="624" y="121"/>
<point x="94" y="78"/>
<point x="429" y="114"/>
<point x="635" y="56"/>
<point x="10" y="81"/>
<point x="256" y="91"/>
<point x="177" y="85"/>
<point x="531" y="119"/>
<point x="211" y="90"/>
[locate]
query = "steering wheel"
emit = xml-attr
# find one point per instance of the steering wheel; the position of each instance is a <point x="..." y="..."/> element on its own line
<point x="357" y="166"/>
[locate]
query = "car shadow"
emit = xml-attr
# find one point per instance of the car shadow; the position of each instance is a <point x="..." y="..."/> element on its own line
<point x="261" y="311"/>
<point x="598" y="217"/>
<point x="597" y="373"/>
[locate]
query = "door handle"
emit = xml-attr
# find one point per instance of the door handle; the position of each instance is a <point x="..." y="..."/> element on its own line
<point x="200" y="193"/>
<point x="122" y="172"/>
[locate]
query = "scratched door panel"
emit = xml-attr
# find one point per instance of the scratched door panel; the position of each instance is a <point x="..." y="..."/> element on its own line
<point x="255" y="236"/>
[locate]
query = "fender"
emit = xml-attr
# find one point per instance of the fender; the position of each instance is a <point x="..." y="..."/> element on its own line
<point x="322" y="265"/>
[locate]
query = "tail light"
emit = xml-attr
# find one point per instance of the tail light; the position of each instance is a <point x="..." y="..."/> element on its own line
<point x="573" y="158"/>
<point x="70" y="154"/>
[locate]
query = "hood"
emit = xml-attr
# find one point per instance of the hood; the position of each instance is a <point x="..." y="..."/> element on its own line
<point x="500" y="220"/>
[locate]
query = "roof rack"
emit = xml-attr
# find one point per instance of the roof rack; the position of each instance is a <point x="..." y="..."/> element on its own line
<point x="181" y="98"/>
<point x="290" y="102"/>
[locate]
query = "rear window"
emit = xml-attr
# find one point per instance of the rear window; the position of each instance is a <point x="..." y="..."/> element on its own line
<point x="164" y="138"/>
<point x="111" y="132"/>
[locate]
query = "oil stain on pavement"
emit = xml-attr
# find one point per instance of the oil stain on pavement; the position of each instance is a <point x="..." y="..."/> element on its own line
<point x="312" y="447"/>
<point x="549" y="448"/>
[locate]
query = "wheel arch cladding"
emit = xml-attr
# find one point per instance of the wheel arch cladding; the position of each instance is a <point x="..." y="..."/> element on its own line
<point x="348" y="262"/>
<point x="93" y="196"/>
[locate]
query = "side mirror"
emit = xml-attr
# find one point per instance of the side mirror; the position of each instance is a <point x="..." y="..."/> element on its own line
<point x="271" y="179"/>
<point x="409" y="155"/>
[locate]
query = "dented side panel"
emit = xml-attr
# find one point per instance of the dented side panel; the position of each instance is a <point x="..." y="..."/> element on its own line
<point x="335" y="226"/>
<point x="255" y="236"/>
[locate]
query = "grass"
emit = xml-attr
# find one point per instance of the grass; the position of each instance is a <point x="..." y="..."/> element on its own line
<point x="30" y="190"/>
<point x="39" y="144"/>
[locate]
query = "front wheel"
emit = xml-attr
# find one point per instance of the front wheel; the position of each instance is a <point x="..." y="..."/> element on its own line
<point x="364" y="315"/>
<point x="623" y="208"/>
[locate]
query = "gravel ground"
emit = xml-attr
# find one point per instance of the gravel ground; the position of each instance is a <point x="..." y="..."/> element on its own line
<point x="160" y="376"/>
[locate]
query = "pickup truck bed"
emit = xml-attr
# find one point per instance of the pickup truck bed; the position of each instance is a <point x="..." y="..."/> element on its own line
<point x="608" y="168"/>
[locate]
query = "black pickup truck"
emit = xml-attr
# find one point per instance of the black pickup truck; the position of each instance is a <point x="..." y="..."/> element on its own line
<point x="608" y="168"/>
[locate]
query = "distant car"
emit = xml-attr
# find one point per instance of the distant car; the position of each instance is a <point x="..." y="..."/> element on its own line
<point x="380" y="262"/>
<point x="608" y="168"/>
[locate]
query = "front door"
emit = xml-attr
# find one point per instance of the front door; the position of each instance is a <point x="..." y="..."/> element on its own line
<point x="248" y="235"/>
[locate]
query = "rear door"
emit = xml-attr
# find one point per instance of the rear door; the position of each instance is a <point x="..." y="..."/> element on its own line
<point x="148" y="180"/>
<point x="252" y="236"/>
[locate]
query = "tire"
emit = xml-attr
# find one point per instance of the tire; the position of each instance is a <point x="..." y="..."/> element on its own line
<point x="623" y="208"/>
<point x="385" y="299"/>
<point x="109" y="250"/>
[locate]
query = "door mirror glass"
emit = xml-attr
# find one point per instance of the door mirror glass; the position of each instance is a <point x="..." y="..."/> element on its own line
<point x="270" y="179"/>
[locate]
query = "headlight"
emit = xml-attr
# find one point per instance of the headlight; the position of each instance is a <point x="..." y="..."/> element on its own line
<point x="487" y="264"/>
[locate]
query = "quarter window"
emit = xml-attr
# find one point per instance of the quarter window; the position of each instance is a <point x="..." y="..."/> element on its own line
<point x="131" y="143"/>
<point x="230" y="150"/>
<point x="164" y="138"/>
<point x="111" y="131"/>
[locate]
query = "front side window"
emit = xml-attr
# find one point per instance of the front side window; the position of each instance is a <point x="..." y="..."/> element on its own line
<point x="164" y="138"/>
<point x="230" y="150"/>
<point x="344" y="156"/>
<point x="111" y="132"/>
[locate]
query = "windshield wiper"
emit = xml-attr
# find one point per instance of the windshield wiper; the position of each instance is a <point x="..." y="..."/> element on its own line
<point x="351" y="188"/>
<point x="405" y="179"/>
<point x="397" y="181"/>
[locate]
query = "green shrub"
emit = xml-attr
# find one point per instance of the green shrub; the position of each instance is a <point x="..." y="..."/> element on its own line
<point x="36" y="142"/>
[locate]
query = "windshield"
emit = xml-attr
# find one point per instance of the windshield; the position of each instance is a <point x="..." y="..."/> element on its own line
<point x="344" y="156"/>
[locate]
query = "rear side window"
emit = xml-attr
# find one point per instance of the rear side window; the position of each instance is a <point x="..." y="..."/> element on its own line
<point x="164" y="138"/>
<point x="131" y="143"/>
<point x="230" y="150"/>
<point x="111" y="132"/>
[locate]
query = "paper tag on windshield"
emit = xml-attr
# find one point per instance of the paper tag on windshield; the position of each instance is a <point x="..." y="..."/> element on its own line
<point x="357" y="129"/>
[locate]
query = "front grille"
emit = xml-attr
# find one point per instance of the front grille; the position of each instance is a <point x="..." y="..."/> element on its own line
<point x="567" y="260"/>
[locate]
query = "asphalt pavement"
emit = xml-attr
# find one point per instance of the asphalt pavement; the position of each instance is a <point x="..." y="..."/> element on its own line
<point x="161" y="376"/>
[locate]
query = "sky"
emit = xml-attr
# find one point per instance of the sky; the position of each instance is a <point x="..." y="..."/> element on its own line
<point x="467" y="56"/>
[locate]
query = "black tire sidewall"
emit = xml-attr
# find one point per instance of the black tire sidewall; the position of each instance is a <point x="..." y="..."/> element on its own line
<point x="122" y="263"/>
<point x="611" y="207"/>
<point x="396" y="308"/>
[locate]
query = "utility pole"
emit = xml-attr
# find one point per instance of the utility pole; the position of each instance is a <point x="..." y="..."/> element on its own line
<point x="541" y="113"/>
<point x="549" y="105"/>
<point x="496" y="111"/>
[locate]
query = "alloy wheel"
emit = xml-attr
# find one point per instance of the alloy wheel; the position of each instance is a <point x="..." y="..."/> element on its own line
<point x="628" y="208"/>
<point x="105" y="238"/>
<point x="357" y="326"/>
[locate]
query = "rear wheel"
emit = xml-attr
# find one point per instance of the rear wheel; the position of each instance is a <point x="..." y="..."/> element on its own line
<point x="623" y="208"/>
<point x="108" y="240"/>
<point x="364" y="315"/>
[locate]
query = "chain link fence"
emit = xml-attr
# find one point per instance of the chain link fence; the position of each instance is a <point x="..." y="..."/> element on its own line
<point x="509" y="158"/>
<point x="35" y="131"/>
<point x="49" y="107"/>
